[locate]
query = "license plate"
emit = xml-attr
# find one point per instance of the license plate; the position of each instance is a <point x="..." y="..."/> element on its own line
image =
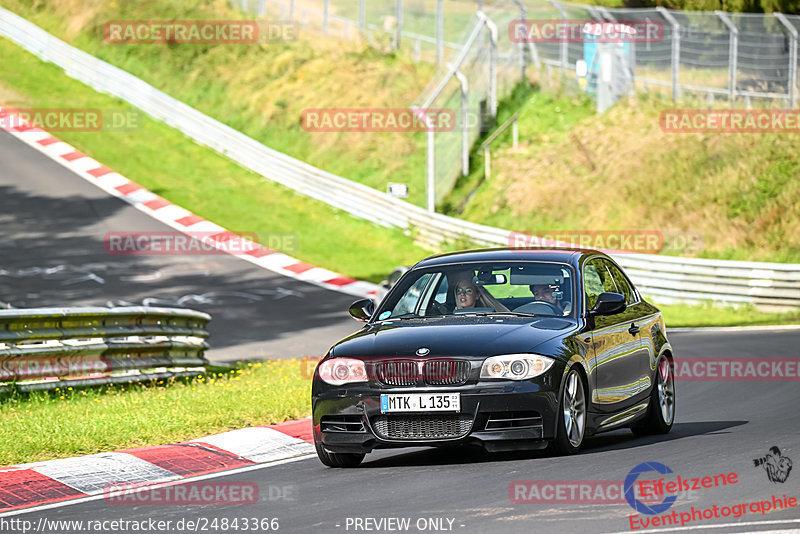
<point x="421" y="402"/>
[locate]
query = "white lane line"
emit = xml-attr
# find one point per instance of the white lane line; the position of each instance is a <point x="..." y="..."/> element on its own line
<point x="161" y="485"/>
<point x="725" y="329"/>
<point x="722" y="525"/>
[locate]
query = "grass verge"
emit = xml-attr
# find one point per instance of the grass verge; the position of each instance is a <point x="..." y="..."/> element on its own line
<point x="684" y="315"/>
<point x="64" y="423"/>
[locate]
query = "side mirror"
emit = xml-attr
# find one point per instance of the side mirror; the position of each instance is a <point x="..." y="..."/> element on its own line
<point x="362" y="310"/>
<point x="608" y="304"/>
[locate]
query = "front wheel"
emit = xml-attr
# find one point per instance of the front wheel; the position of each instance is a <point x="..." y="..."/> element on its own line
<point x="661" y="411"/>
<point x="571" y="416"/>
<point x="338" y="459"/>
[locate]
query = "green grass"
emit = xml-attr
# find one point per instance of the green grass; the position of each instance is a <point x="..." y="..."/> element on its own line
<point x="70" y="422"/>
<point x="261" y="90"/>
<point x="685" y="315"/>
<point x="734" y="194"/>
<point x="197" y="178"/>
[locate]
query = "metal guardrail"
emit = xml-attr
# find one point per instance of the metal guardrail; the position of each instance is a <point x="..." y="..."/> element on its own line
<point x="47" y="348"/>
<point x="670" y="278"/>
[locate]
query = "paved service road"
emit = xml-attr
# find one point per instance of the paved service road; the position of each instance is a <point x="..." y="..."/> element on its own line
<point x="721" y="427"/>
<point x="52" y="224"/>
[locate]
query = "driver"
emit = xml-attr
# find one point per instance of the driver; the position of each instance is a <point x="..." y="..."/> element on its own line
<point x="544" y="293"/>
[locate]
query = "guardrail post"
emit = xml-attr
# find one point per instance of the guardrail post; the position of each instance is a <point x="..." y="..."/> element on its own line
<point x="733" y="50"/>
<point x="676" y="50"/>
<point x="487" y="162"/>
<point x="399" y="30"/>
<point x="362" y="17"/>
<point x="515" y="134"/>
<point x="439" y="32"/>
<point x="464" y="131"/>
<point x="325" y="9"/>
<point x="431" y="170"/>
<point x="564" y="51"/>
<point x="792" y="82"/>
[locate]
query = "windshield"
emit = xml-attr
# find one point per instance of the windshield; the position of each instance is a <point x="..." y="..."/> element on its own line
<point x="513" y="288"/>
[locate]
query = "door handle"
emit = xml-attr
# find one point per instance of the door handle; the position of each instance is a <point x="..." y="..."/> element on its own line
<point x="633" y="329"/>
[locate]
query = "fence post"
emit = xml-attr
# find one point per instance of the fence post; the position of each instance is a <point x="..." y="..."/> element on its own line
<point x="262" y="8"/>
<point x="464" y="132"/>
<point x="732" y="53"/>
<point x="676" y="51"/>
<point x="492" y="62"/>
<point x="362" y="17"/>
<point x="399" y="29"/>
<point x="439" y="32"/>
<point x="291" y="10"/>
<point x="522" y="59"/>
<point x="564" y="53"/>
<point x="792" y="57"/>
<point x="325" y="8"/>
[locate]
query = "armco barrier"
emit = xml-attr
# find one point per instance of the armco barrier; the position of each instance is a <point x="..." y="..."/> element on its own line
<point x="770" y="285"/>
<point x="46" y="348"/>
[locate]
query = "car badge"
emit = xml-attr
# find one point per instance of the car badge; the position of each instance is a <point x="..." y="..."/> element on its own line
<point x="423" y="351"/>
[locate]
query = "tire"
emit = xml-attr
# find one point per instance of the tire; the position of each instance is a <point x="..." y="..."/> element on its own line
<point x="661" y="409"/>
<point x="571" y="426"/>
<point x="338" y="459"/>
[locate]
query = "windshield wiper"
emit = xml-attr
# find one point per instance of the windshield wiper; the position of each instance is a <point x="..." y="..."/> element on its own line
<point x="516" y="314"/>
<point x="404" y="316"/>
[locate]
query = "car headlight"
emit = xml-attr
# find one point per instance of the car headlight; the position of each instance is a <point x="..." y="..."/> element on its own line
<point x="515" y="366"/>
<point x="339" y="371"/>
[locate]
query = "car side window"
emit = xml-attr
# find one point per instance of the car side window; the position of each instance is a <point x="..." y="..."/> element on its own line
<point x="441" y="292"/>
<point x="623" y="286"/>
<point x="596" y="280"/>
<point x="410" y="300"/>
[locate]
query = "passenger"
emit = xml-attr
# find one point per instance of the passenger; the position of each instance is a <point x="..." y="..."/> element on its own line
<point x="469" y="295"/>
<point x="466" y="294"/>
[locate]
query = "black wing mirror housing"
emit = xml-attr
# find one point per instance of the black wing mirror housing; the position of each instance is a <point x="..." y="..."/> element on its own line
<point x="609" y="304"/>
<point x="362" y="310"/>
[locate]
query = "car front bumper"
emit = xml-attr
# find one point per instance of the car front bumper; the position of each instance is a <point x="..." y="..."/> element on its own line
<point x="497" y="415"/>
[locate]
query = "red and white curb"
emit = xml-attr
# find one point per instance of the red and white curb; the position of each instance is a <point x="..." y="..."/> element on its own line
<point x="54" y="481"/>
<point x="174" y="216"/>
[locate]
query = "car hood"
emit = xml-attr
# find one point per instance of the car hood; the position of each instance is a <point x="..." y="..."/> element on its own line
<point x="477" y="337"/>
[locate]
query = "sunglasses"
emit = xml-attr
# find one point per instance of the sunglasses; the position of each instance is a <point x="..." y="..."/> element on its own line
<point x="461" y="290"/>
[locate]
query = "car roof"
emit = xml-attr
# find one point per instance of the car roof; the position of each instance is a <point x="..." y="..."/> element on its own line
<point x="570" y="256"/>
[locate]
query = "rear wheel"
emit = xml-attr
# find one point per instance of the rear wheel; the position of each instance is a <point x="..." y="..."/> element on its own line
<point x="661" y="411"/>
<point x="571" y="416"/>
<point x="338" y="459"/>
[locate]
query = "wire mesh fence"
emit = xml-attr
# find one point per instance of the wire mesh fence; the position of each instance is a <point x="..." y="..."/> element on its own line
<point x="740" y="59"/>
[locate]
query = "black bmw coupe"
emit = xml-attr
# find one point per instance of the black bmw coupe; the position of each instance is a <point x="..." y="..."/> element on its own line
<point x="505" y="348"/>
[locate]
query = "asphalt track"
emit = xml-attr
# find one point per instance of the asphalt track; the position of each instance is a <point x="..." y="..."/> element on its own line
<point x="721" y="427"/>
<point x="52" y="226"/>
